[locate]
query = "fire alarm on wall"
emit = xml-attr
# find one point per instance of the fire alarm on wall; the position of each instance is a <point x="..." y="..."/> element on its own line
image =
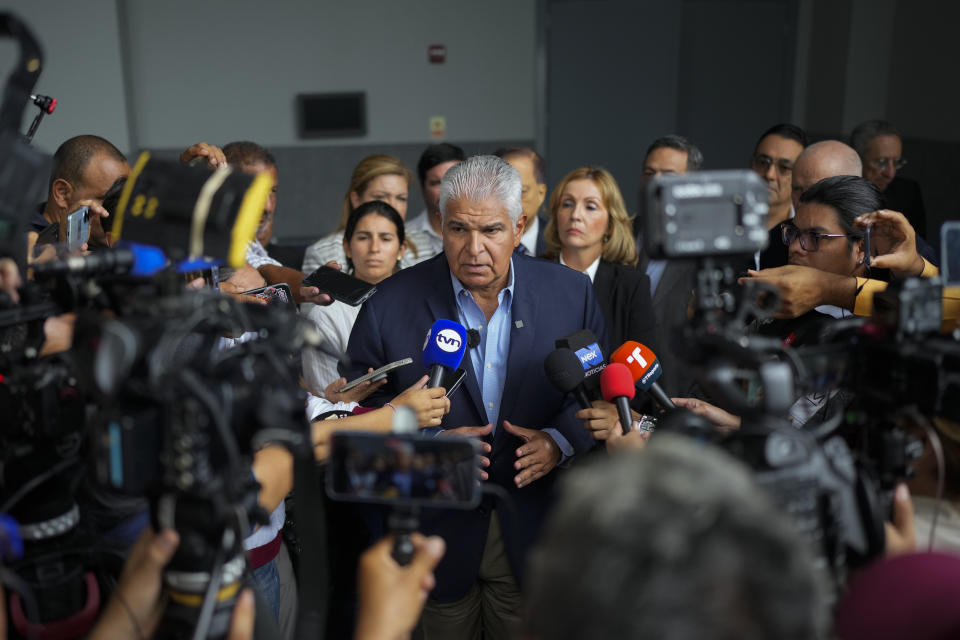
<point x="437" y="53"/>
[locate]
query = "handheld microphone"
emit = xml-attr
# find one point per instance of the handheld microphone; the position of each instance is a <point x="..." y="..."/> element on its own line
<point x="586" y="347"/>
<point x="134" y="259"/>
<point x="645" y="369"/>
<point x="444" y="348"/>
<point x="616" y="381"/>
<point x="565" y="373"/>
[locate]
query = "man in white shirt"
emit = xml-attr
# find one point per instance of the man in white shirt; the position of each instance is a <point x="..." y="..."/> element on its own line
<point x="433" y="165"/>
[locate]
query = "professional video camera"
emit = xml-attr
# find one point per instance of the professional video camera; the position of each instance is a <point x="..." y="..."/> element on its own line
<point x="147" y="398"/>
<point x="830" y="490"/>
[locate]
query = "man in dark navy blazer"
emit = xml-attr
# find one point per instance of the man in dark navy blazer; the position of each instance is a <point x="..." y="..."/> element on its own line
<point x="519" y="306"/>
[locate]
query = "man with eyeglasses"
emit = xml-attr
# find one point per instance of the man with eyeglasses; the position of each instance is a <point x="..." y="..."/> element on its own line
<point x="773" y="159"/>
<point x="880" y="147"/>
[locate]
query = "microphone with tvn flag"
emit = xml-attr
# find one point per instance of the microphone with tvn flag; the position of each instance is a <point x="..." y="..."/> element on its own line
<point x="616" y="381"/>
<point x="645" y="369"/>
<point x="444" y="348"/>
<point x="585" y="346"/>
<point x="565" y="373"/>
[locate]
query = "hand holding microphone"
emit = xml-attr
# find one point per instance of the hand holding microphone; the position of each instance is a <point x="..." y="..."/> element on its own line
<point x="645" y="369"/>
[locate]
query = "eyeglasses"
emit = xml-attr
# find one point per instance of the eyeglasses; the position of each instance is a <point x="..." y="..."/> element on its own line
<point x="809" y="240"/>
<point x="881" y="163"/>
<point x="763" y="162"/>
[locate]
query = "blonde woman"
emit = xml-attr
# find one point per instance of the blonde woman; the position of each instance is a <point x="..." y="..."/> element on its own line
<point x="589" y="230"/>
<point x="378" y="177"/>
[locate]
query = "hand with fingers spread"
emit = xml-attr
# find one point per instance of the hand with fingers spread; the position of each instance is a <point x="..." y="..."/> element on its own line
<point x="212" y="154"/>
<point x="536" y="457"/>
<point x="429" y="403"/>
<point x="893" y="242"/>
<point x="475" y="432"/>
<point x="357" y="394"/>
<point x="392" y="596"/>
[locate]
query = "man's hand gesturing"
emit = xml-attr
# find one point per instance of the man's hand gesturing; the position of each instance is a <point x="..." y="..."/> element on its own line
<point x="536" y="457"/>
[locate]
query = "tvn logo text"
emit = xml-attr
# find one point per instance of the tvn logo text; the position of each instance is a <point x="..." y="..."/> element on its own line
<point x="449" y="340"/>
<point x="589" y="356"/>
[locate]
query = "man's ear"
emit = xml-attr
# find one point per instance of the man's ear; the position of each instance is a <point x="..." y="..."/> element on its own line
<point x="541" y="195"/>
<point x="518" y="230"/>
<point x="62" y="192"/>
<point x="354" y="200"/>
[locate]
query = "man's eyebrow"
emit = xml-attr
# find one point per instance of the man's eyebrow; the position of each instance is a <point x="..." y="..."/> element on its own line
<point x="496" y="226"/>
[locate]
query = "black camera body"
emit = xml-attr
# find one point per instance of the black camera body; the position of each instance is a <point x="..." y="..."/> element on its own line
<point x="709" y="213"/>
<point x="830" y="489"/>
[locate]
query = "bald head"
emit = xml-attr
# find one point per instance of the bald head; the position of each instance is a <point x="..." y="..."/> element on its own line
<point x="823" y="160"/>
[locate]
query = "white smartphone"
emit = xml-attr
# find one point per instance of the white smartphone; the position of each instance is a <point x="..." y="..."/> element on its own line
<point x="377" y="374"/>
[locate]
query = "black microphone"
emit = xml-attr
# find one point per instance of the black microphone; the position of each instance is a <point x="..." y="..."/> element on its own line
<point x="565" y="373"/>
<point x="587" y="349"/>
<point x="473" y="338"/>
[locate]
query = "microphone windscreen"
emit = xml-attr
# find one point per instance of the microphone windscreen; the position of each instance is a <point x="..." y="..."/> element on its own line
<point x="147" y="260"/>
<point x="616" y="381"/>
<point x="563" y="369"/>
<point x="445" y="345"/>
<point x="641" y="361"/>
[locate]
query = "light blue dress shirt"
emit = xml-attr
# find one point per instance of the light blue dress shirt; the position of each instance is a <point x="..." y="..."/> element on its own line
<point x="489" y="359"/>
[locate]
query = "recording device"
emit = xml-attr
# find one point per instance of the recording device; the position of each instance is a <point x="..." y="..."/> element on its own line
<point x="707" y="213"/>
<point x="565" y="372"/>
<point x="645" y="369"/>
<point x="405" y="472"/>
<point x="377" y="374"/>
<point x="127" y="259"/>
<point x="340" y="286"/>
<point x="24" y="171"/>
<point x="452" y="381"/>
<point x="443" y="349"/>
<point x="836" y="490"/>
<point x="277" y="294"/>
<point x="950" y="253"/>
<point x="78" y="228"/>
<point x="587" y="349"/>
<point x="867" y="245"/>
<point x="618" y="388"/>
<point x="178" y="423"/>
<point x="191" y="213"/>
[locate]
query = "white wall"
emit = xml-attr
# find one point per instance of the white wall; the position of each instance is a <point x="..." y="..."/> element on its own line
<point x="82" y="68"/>
<point x="225" y="69"/>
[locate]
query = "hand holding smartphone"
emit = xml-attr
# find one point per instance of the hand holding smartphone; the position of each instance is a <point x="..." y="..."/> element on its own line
<point x="340" y="286"/>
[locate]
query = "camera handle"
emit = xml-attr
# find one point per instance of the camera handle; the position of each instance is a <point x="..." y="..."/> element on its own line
<point x="403" y="521"/>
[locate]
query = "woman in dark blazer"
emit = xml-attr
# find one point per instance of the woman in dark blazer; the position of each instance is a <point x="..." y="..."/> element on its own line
<point x="589" y="230"/>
